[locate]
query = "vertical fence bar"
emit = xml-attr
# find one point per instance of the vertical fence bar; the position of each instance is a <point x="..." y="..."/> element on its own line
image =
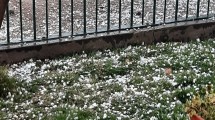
<point x="34" y="20"/>
<point x="47" y="20"/>
<point x="208" y="9"/>
<point x="72" y="19"/>
<point x="3" y="8"/>
<point x="85" y="17"/>
<point x="96" y="16"/>
<point x="154" y="12"/>
<point x="21" y="29"/>
<point x="176" y="11"/>
<point x="164" y="13"/>
<point x="8" y="25"/>
<point x="197" y="12"/>
<point x="132" y="14"/>
<point x="187" y="11"/>
<point x="120" y="14"/>
<point x="143" y="5"/>
<point x="60" y="18"/>
<point x="108" y="16"/>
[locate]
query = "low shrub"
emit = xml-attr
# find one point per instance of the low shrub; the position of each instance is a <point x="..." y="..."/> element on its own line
<point x="7" y="83"/>
<point x="202" y="105"/>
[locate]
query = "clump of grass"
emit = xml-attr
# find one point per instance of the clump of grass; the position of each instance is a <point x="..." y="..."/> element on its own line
<point x="203" y="106"/>
<point x="63" y="114"/>
<point x="7" y="83"/>
<point x="79" y="114"/>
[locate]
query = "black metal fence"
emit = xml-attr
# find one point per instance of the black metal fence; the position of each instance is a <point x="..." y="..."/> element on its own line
<point x="45" y="20"/>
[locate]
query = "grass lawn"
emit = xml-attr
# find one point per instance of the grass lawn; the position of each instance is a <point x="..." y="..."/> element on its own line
<point x="137" y="82"/>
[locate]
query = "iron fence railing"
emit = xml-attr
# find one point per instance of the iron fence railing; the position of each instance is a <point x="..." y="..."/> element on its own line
<point x="45" y="20"/>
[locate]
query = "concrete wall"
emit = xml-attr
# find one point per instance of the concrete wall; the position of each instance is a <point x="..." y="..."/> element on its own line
<point x="180" y="32"/>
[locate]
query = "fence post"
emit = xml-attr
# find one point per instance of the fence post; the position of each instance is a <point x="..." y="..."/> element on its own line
<point x="3" y="6"/>
<point x="154" y="12"/>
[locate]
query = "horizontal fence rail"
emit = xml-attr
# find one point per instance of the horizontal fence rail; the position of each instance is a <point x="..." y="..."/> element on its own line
<point x="45" y="20"/>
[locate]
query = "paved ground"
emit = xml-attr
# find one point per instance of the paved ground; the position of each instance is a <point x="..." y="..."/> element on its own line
<point x="78" y="15"/>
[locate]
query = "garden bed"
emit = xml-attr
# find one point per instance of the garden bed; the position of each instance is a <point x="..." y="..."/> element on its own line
<point x="137" y="82"/>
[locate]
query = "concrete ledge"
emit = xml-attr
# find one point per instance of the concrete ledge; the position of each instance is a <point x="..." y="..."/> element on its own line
<point x="180" y="32"/>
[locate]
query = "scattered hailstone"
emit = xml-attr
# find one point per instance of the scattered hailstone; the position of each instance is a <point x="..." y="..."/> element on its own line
<point x="104" y="116"/>
<point x="28" y="111"/>
<point x="156" y="78"/>
<point x="128" y="48"/>
<point x="93" y="106"/>
<point x="158" y="105"/>
<point x="198" y="39"/>
<point x="143" y="60"/>
<point x="153" y="118"/>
